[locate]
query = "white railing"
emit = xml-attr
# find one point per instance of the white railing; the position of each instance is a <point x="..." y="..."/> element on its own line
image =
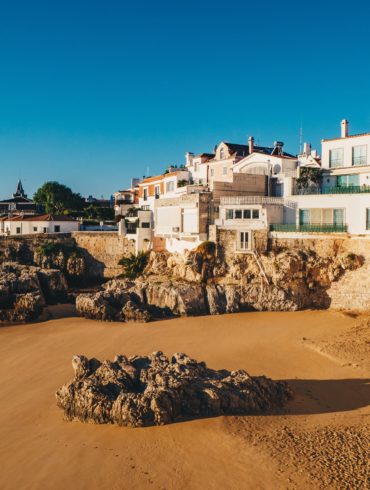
<point x="263" y="200"/>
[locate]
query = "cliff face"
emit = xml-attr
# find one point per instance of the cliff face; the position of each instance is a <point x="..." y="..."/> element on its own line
<point x="199" y="283"/>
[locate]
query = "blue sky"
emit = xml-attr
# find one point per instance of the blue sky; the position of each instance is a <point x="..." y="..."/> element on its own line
<point x="95" y="92"/>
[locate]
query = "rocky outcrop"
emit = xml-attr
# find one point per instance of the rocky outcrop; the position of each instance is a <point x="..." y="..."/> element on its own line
<point x="166" y="298"/>
<point x="25" y="290"/>
<point x="155" y="390"/>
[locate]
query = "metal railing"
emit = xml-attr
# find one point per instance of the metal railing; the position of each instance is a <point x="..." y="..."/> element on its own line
<point x="348" y="189"/>
<point x="312" y="228"/>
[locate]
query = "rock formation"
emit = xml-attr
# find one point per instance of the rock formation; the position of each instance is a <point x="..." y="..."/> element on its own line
<point x="155" y="390"/>
<point x="25" y="290"/>
<point x="186" y="285"/>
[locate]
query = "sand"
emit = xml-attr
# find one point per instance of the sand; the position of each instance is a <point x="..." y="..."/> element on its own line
<point x="318" y="442"/>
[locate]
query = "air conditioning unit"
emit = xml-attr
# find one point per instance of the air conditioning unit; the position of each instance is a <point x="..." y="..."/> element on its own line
<point x="175" y="229"/>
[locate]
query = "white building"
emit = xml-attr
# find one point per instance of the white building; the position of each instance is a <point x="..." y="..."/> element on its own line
<point x="342" y="204"/>
<point x="182" y="221"/>
<point x="31" y="225"/>
<point x="198" y="166"/>
<point x="137" y="226"/>
<point x="345" y="161"/>
<point x="246" y="214"/>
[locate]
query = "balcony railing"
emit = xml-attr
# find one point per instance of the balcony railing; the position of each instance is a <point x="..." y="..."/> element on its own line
<point x="348" y="189"/>
<point x="312" y="228"/>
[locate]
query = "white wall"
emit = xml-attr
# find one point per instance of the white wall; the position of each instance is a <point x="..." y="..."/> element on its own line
<point x="175" y="245"/>
<point x="347" y="144"/>
<point x="28" y="227"/>
<point x="354" y="204"/>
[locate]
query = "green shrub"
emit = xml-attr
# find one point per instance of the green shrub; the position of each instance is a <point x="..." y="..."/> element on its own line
<point x="48" y="248"/>
<point x="207" y="248"/>
<point x="134" y="265"/>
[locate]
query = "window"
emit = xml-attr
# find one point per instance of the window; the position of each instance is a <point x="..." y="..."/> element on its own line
<point x="35" y="229"/>
<point x="229" y="214"/>
<point x="238" y="214"/>
<point x="243" y="240"/>
<point x="222" y="154"/>
<point x="18" y="231"/>
<point x="368" y="218"/>
<point x="145" y="194"/>
<point x="224" y="171"/>
<point x="212" y="172"/>
<point x="247" y="214"/>
<point x="348" y="180"/>
<point x="145" y="225"/>
<point x="336" y="158"/>
<point x="255" y="214"/>
<point x="359" y="155"/>
<point x="57" y="228"/>
<point x="170" y="186"/>
<point x="318" y="216"/>
<point x="157" y="191"/>
<point x="195" y="167"/>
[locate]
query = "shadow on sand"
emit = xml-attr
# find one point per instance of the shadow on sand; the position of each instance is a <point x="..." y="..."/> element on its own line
<point x="312" y="396"/>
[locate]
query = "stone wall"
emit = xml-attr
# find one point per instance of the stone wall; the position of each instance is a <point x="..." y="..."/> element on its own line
<point x="103" y="251"/>
<point x="227" y="239"/>
<point x="350" y="292"/>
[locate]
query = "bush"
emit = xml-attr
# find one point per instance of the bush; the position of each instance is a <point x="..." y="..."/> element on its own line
<point x="134" y="265"/>
<point x="48" y="248"/>
<point x="207" y="248"/>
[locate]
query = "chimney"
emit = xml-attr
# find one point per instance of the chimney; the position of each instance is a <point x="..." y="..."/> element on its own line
<point x="189" y="158"/>
<point x="344" y="128"/>
<point x="251" y="144"/>
<point x="307" y="149"/>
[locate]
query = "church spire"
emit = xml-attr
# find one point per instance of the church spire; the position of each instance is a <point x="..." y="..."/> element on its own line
<point x="19" y="191"/>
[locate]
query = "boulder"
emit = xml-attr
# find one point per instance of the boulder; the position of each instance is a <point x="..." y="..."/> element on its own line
<point x="132" y="312"/>
<point x="156" y="390"/>
<point x="24" y="290"/>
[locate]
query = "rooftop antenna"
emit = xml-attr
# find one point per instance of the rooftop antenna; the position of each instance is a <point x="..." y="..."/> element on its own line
<point x="300" y="139"/>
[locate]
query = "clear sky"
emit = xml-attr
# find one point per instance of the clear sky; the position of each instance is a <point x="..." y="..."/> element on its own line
<point x="95" y="92"/>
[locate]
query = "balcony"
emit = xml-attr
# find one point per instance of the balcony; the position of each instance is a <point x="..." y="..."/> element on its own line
<point x="349" y="189"/>
<point x="312" y="228"/>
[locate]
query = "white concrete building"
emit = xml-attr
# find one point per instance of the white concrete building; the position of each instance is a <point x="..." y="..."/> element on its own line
<point x="31" y="225"/>
<point x="342" y="204"/>
<point x="346" y="161"/>
<point x="198" y="166"/>
<point x="182" y="221"/>
<point x="138" y="227"/>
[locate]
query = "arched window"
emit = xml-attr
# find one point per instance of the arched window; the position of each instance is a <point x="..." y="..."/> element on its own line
<point x="222" y="154"/>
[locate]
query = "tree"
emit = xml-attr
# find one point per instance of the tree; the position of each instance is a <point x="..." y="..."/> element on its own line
<point x="57" y="198"/>
<point x="310" y="177"/>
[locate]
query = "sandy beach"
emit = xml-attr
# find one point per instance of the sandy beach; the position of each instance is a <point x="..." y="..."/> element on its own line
<point x="318" y="442"/>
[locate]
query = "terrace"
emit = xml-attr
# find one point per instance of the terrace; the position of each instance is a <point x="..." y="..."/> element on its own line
<point x="311" y="228"/>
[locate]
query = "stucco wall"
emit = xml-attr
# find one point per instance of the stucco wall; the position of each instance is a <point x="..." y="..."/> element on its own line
<point x="355" y="206"/>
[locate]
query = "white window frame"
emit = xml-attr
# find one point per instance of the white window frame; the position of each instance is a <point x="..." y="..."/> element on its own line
<point x="244" y="241"/>
<point x="336" y="162"/>
<point x="361" y="159"/>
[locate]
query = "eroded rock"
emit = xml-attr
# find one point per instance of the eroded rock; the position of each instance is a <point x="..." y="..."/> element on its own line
<point x="157" y="390"/>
